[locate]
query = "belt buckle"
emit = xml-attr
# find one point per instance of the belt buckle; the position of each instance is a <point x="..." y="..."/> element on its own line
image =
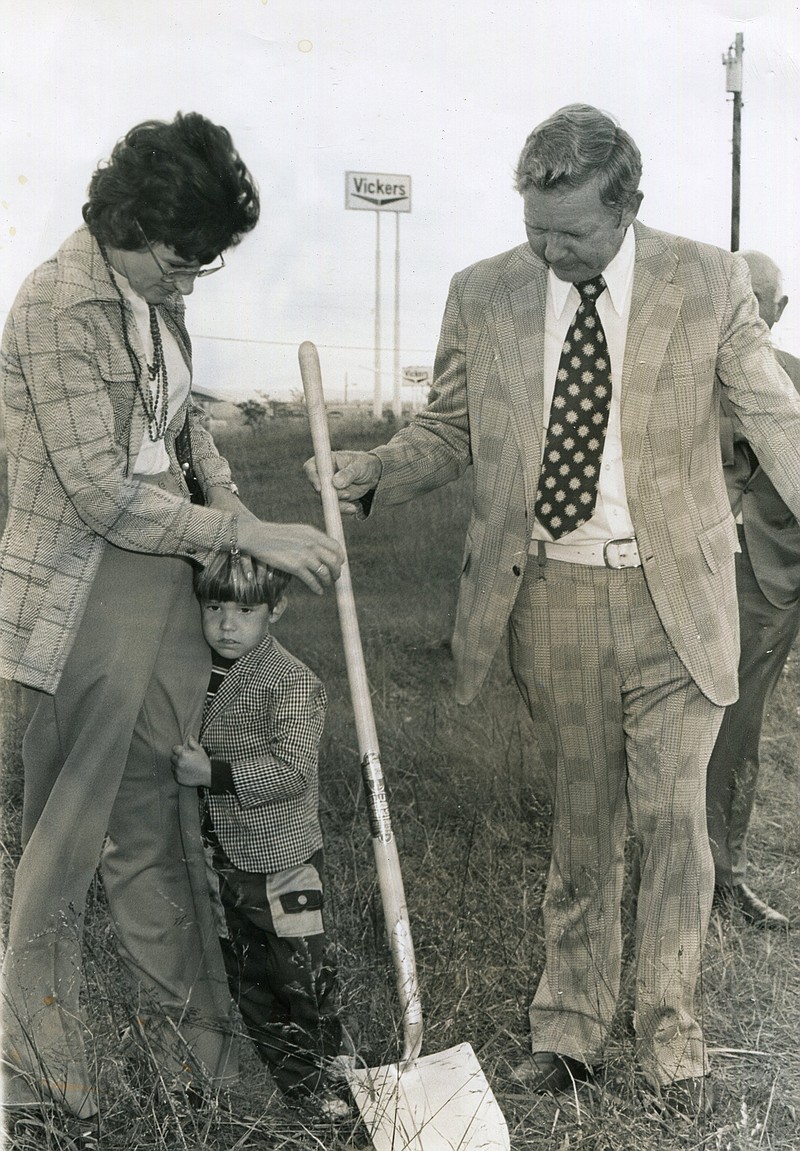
<point x="623" y="558"/>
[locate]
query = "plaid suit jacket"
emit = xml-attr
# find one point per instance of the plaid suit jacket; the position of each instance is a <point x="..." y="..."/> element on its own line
<point x="266" y="720"/>
<point x="693" y="327"/>
<point x="74" y="425"/>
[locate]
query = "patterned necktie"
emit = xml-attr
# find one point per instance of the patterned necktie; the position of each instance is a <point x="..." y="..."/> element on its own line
<point x="578" y="421"/>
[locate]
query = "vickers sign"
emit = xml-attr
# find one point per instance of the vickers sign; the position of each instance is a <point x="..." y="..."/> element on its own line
<point x="377" y="192"/>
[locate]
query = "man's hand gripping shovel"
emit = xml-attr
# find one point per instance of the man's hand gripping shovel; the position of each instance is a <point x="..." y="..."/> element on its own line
<point x="439" y="1102"/>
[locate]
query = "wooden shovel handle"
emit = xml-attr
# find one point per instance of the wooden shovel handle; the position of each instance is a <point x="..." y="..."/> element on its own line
<point x="387" y="862"/>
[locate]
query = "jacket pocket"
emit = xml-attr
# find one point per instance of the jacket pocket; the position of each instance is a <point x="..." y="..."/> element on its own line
<point x="295" y="901"/>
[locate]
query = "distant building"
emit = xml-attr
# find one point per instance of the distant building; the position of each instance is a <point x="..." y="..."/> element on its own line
<point x="218" y="409"/>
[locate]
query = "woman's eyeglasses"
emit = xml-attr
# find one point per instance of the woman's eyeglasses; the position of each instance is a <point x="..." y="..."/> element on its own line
<point x="171" y="275"/>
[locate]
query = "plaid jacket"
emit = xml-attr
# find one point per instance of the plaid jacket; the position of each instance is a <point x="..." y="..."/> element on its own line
<point x="74" y="425"/>
<point x="693" y="327"/>
<point x="266" y="721"/>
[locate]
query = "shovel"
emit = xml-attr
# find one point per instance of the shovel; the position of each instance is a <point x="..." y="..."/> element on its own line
<point x="439" y="1102"/>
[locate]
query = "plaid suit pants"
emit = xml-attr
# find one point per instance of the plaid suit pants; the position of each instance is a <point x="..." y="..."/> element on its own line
<point x="625" y="733"/>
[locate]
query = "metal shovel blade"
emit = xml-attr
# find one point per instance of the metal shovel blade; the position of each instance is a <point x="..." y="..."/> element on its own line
<point x="440" y="1102"/>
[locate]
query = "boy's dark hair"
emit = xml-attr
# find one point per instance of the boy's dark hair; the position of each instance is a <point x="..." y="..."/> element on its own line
<point x="232" y="578"/>
<point x="182" y="182"/>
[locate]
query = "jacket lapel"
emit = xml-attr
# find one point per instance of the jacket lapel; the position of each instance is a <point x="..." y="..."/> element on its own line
<point x="263" y="661"/>
<point x="225" y="692"/>
<point x="518" y="314"/>
<point x="655" y="306"/>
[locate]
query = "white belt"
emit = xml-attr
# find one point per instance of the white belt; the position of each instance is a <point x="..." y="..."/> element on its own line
<point x="622" y="553"/>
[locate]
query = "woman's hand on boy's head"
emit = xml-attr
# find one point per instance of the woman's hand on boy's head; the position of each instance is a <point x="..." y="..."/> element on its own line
<point x="190" y="764"/>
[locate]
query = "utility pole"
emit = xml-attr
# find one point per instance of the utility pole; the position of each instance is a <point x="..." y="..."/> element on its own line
<point x="733" y="83"/>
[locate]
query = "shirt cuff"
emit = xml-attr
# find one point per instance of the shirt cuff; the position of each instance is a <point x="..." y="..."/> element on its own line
<point x="221" y="777"/>
<point x="366" y="502"/>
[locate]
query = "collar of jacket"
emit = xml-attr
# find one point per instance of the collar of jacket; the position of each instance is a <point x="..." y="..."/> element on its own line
<point x="654" y="252"/>
<point x="82" y="276"/>
<point x="268" y="656"/>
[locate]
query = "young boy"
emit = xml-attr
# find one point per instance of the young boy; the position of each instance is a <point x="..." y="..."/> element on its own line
<point x="257" y="764"/>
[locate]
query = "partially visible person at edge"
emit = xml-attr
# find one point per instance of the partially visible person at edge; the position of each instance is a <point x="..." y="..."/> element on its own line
<point x="768" y="589"/>
<point x="579" y="374"/>
<point x="98" y="615"/>
<point x="257" y="767"/>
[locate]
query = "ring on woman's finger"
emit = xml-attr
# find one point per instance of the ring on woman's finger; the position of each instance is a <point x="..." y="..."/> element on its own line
<point x="319" y="570"/>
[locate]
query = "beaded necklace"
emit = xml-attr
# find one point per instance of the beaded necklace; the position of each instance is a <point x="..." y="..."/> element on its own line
<point x="156" y="372"/>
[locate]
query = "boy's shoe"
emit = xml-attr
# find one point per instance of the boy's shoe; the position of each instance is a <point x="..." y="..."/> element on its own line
<point x="324" y="1104"/>
<point x="337" y="1069"/>
<point x="331" y="1107"/>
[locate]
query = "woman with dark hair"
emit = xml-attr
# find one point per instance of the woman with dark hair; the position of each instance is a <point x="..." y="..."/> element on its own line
<point x="97" y="614"/>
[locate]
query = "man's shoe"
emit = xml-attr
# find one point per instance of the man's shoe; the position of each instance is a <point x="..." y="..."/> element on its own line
<point x="753" y="909"/>
<point x="50" y="1127"/>
<point x="690" y="1099"/>
<point x="324" y="1104"/>
<point x="549" y="1071"/>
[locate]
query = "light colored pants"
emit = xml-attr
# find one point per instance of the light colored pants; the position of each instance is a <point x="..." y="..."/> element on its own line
<point x="622" y="727"/>
<point x="98" y="782"/>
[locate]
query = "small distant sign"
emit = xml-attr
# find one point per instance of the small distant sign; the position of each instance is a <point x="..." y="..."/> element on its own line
<point x="417" y="377"/>
<point x="377" y="192"/>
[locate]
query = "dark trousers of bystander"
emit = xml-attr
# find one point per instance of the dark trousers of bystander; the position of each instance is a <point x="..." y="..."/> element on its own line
<point x="767" y="636"/>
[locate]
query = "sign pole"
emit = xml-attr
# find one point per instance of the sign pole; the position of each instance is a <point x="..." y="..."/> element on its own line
<point x="382" y="192"/>
<point x="377" y="399"/>
<point x="397" y="404"/>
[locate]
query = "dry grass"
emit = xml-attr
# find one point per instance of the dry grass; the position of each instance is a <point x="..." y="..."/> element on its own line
<point x="470" y="815"/>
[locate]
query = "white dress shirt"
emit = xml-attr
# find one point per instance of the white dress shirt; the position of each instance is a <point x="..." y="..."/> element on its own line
<point x="611" y="519"/>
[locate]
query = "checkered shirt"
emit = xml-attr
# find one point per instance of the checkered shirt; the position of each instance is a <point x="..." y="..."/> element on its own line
<point x="266" y="720"/>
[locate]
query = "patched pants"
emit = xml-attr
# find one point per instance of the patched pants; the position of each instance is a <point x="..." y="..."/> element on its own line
<point x="280" y="972"/>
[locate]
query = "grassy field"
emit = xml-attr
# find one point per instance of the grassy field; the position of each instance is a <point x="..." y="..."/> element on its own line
<point x="470" y="814"/>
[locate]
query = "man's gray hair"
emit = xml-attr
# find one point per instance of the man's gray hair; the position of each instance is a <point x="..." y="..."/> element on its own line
<point x="575" y="145"/>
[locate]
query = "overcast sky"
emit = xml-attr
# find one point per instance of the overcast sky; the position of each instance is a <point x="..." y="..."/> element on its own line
<point x="444" y="91"/>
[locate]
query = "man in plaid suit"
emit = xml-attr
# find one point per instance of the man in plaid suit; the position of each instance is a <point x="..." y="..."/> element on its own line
<point x="257" y="763"/>
<point x="623" y="633"/>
